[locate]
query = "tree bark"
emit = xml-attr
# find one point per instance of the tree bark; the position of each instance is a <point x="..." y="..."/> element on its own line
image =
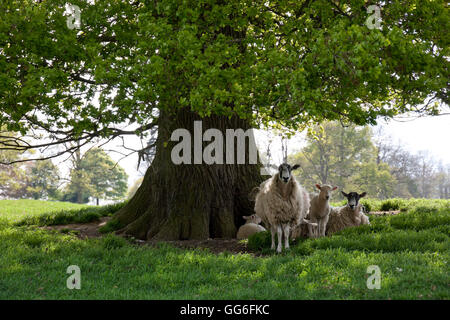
<point x="190" y="201"/>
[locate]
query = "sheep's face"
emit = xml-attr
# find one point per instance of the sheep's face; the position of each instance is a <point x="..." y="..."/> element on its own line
<point x="253" y="219"/>
<point x="353" y="198"/>
<point x="285" y="172"/>
<point x="325" y="191"/>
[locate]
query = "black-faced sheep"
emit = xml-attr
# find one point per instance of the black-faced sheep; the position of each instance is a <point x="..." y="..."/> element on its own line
<point x="250" y="227"/>
<point x="349" y="215"/>
<point x="282" y="204"/>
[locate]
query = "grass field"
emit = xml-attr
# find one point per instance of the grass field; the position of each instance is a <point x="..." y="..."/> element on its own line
<point x="15" y="210"/>
<point x="42" y="213"/>
<point x="411" y="249"/>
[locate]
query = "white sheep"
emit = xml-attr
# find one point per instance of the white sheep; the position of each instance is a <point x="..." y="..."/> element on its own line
<point x="349" y="215"/>
<point x="319" y="210"/>
<point x="282" y="204"/>
<point x="305" y="229"/>
<point x="250" y="227"/>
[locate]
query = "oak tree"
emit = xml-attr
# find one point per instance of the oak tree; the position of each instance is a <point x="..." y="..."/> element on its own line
<point x="136" y="64"/>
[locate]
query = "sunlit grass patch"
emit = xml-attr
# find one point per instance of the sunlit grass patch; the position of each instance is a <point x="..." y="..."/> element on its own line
<point x="81" y="215"/>
<point x="411" y="250"/>
<point x="16" y="210"/>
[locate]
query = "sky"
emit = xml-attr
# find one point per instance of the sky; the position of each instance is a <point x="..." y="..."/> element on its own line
<point x="430" y="134"/>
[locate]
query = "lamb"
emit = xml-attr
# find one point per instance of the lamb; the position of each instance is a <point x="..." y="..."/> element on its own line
<point x="305" y="229"/>
<point x="347" y="216"/>
<point x="319" y="210"/>
<point x="282" y="204"/>
<point x="250" y="227"/>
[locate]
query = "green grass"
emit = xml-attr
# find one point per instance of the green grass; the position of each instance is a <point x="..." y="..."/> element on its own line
<point x="15" y="210"/>
<point x="41" y="213"/>
<point x="411" y="249"/>
<point x="400" y="204"/>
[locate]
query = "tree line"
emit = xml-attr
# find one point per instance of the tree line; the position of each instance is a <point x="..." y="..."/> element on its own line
<point x="93" y="175"/>
<point x="360" y="158"/>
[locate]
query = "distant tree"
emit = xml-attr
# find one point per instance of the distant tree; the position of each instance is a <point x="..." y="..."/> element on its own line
<point x="333" y="153"/>
<point x="107" y="180"/>
<point x="414" y="172"/>
<point x="403" y="166"/>
<point x="344" y="156"/>
<point x="12" y="182"/>
<point x="425" y="175"/>
<point x="43" y="180"/>
<point x="375" y="179"/>
<point x="95" y="175"/>
<point x="442" y="179"/>
<point x="78" y="189"/>
<point x="12" y="176"/>
<point x="37" y="179"/>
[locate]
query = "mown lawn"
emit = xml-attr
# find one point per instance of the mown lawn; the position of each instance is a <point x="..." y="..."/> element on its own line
<point x="411" y="249"/>
<point x="15" y="210"/>
<point x="42" y="213"/>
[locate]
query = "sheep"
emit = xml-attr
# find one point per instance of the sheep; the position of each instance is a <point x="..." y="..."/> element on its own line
<point x="250" y="227"/>
<point x="282" y="204"/>
<point x="319" y="210"/>
<point x="347" y="216"/>
<point x="304" y="230"/>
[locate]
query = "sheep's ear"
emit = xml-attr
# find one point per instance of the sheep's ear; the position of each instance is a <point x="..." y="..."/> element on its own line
<point x="246" y="217"/>
<point x="334" y="188"/>
<point x="318" y="186"/>
<point x="344" y="194"/>
<point x="362" y="195"/>
<point x="295" y="166"/>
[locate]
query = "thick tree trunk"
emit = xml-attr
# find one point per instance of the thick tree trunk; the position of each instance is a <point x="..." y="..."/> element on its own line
<point x="190" y="201"/>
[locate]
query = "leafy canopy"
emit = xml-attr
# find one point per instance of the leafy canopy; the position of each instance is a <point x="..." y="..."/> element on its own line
<point x="271" y="62"/>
